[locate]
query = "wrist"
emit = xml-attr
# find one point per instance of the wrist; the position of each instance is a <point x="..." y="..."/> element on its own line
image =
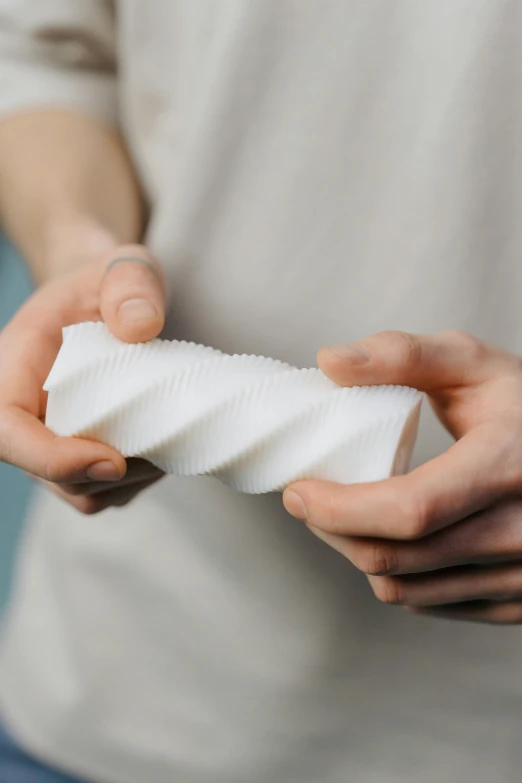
<point x="71" y="242"/>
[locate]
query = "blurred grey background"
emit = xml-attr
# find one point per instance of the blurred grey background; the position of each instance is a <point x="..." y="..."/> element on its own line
<point x="15" y="487"/>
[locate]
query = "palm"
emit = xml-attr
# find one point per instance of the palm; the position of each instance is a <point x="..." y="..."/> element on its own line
<point x="89" y="475"/>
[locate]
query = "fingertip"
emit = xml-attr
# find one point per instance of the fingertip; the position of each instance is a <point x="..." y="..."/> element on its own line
<point x="75" y="460"/>
<point x="116" y="473"/>
<point x="326" y="357"/>
<point x="103" y="470"/>
<point x="117" y="459"/>
<point x="294" y="503"/>
<point x="132" y="296"/>
<point x="137" y="320"/>
<point x="347" y="352"/>
<point x="39" y="452"/>
<point x="342" y="362"/>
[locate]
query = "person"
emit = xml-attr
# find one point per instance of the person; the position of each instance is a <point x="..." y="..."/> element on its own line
<point x="269" y="177"/>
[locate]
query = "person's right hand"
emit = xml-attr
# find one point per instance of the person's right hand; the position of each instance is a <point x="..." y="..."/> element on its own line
<point x="125" y="288"/>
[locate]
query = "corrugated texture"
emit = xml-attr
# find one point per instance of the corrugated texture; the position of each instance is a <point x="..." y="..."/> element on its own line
<point x="255" y="423"/>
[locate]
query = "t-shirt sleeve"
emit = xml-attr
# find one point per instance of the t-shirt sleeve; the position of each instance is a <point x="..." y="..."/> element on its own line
<point x="58" y="53"/>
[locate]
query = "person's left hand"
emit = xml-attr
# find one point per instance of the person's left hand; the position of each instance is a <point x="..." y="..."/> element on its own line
<point x="445" y="539"/>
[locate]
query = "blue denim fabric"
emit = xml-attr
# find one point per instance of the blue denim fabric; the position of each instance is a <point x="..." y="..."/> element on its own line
<point x="17" y="767"/>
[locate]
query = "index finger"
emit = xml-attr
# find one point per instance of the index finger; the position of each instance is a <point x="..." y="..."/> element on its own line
<point x="475" y="472"/>
<point x="430" y="363"/>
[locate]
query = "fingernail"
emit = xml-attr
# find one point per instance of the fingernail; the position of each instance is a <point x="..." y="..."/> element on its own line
<point x="103" y="471"/>
<point x="136" y="310"/>
<point x="351" y="353"/>
<point x="294" y="504"/>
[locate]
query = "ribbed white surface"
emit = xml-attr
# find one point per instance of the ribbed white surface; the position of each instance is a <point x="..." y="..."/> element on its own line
<point x="255" y="423"/>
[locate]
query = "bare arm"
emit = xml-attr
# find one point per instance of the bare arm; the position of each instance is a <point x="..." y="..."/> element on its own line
<point x="70" y="201"/>
<point x="67" y="188"/>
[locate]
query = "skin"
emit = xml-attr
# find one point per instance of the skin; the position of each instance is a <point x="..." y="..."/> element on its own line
<point x="445" y="539"/>
<point x="71" y="203"/>
<point x="89" y="475"/>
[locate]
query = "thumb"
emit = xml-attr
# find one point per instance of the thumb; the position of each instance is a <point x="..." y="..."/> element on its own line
<point x="132" y="295"/>
<point x="430" y="363"/>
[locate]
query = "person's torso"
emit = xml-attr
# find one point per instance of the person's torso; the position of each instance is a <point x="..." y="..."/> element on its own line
<point x="317" y="171"/>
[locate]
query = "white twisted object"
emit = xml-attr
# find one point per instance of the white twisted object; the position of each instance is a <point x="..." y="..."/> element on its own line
<point x="255" y="423"/>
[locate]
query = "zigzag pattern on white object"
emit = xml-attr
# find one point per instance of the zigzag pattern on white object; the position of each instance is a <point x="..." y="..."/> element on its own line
<point x="255" y="423"/>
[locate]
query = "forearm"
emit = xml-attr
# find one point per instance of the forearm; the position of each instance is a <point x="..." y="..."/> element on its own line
<point x="67" y="189"/>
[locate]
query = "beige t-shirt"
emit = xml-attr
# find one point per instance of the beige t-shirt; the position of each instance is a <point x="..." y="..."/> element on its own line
<point x="317" y="170"/>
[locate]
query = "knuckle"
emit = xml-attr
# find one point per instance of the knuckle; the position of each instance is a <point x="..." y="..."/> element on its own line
<point x="469" y="344"/>
<point x="406" y="345"/>
<point x="53" y="472"/>
<point x="512" y="479"/>
<point x="509" y="614"/>
<point x="132" y="264"/>
<point x="56" y="468"/>
<point x="415" y="518"/>
<point x="89" y="505"/>
<point x="389" y="590"/>
<point x="379" y="559"/>
<point x="330" y="516"/>
<point x="510" y="476"/>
